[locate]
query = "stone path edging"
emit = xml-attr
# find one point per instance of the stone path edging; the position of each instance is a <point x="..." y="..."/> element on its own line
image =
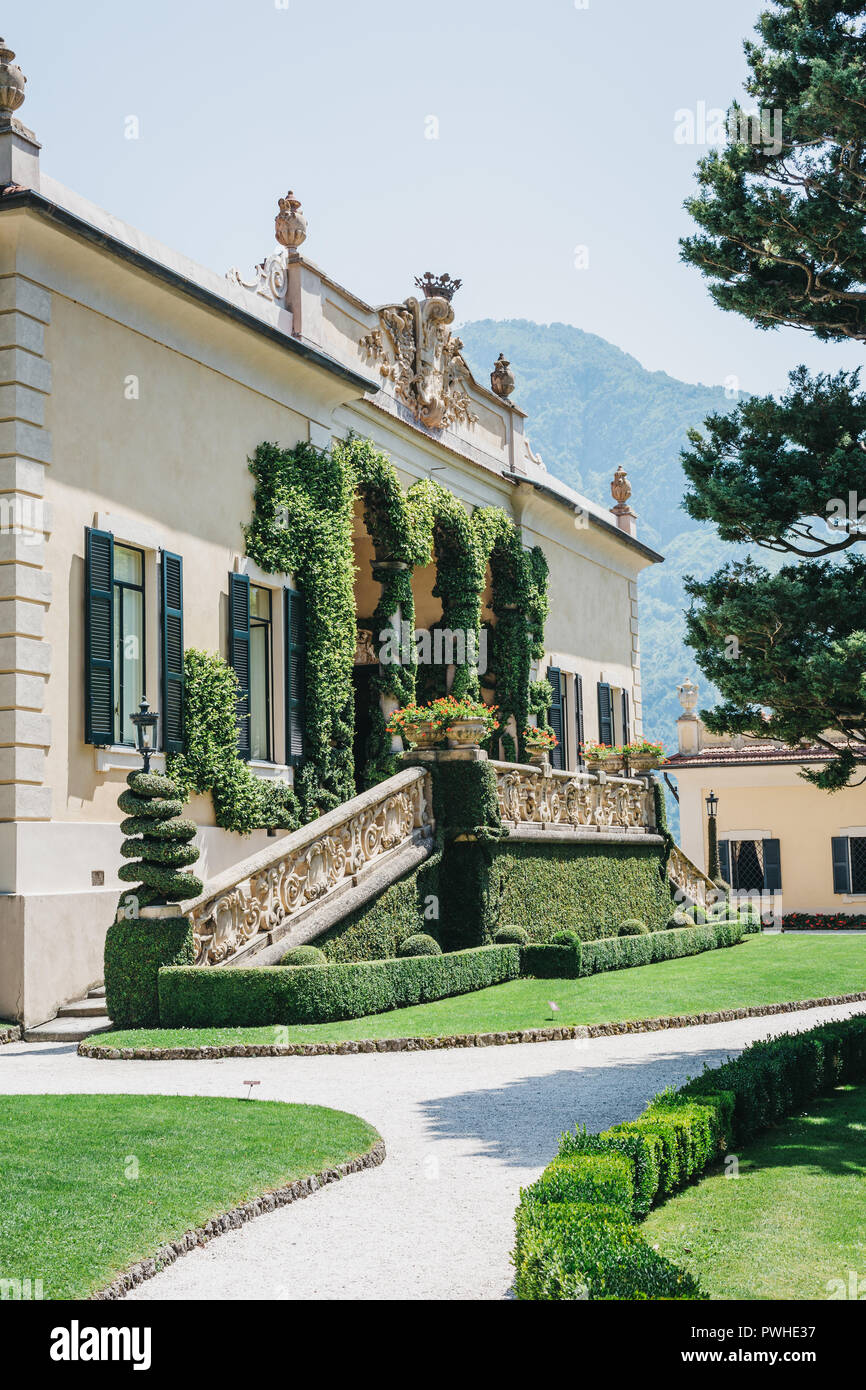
<point x="527" y="1035"/>
<point x="235" y="1217"/>
<point x="10" y="1034"/>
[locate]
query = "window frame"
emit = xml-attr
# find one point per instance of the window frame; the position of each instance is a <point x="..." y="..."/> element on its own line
<point x="268" y="625"/>
<point x="141" y="588"/>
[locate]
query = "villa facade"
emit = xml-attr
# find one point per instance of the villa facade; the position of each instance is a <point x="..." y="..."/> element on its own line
<point x="136" y="386"/>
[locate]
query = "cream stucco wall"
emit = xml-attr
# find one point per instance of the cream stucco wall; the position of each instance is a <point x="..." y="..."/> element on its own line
<point x="134" y="407"/>
<point x="775" y="800"/>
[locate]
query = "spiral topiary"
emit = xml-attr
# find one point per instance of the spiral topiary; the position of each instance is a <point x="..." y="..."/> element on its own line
<point x="419" y="945"/>
<point x="159" y="841"/>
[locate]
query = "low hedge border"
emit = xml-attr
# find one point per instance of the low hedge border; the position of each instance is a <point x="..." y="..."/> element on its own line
<point x="9" y="1033"/>
<point x="576" y="1227"/>
<point x="190" y="996"/>
<point x="564" y="1033"/>
<point x="234" y="1218"/>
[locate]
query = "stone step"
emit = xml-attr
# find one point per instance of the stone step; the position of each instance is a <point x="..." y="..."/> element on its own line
<point x="67" y="1030"/>
<point x="82" y="1008"/>
<point x="98" y="992"/>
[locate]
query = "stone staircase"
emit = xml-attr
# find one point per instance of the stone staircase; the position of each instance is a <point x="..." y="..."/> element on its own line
<point x="74" y="1021"/>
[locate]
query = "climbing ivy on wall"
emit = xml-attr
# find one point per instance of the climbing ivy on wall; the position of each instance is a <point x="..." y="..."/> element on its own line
<point x="302" y="525"/>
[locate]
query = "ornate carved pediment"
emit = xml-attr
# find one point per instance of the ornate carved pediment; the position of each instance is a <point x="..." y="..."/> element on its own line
<point x="417" y="352"/>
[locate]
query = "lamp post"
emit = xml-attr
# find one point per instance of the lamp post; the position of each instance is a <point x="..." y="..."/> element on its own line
<point x="715" y="868"/>
<point x="145" y="731"/>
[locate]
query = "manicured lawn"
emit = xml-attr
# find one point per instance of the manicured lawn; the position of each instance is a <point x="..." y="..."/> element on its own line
<point x="792" y="1221"/>
<point x="91" y="1184"/>
<point x="762" y="970"/>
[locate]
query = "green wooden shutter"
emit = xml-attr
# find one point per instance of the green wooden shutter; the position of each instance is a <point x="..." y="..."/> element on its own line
<point x="239" y="654"/>
<point x="772" y="866"/>
<point x="605" y="714"/>
<point x="171" y="584"/>
<point x="725" y="861"/>
<point x="578" y="720"/>
<point x="841" y="865"/>
<point x="99" y="637"/>
<point x="557" y="754"/>
<point x="295" y="649"/>
<point x="626" y="727"/>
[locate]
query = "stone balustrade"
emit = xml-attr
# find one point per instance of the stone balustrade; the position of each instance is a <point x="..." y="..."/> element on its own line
<point x="268" y="891"/>
<point x="542" y="796"/>
<point x="693" y="884"/>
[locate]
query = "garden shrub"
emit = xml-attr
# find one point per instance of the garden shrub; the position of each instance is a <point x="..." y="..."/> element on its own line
<point x="565" y="938"/>
<point x="551" y="962"/>
<point x="419" y="945"/>
<point x="374" y="931"/>
<point x="304" y="955"/>
<point x="255" y="997"/>
<point x="681" y="918"/>
<point x="511" y="936"/>
<point x="135" y="950"/>
<point x="621" y="952"/>
<point x="574" y="1235"/>
<point x="583" y="888"/>
<point x="633" y="926"/>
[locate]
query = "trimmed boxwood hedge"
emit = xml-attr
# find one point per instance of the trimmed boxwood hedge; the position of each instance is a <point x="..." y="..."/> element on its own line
<point x="576" y="1236"/>
<point x="135" y="950"/>
<point x="220" y="998"/>
<point x="621" y="952"/>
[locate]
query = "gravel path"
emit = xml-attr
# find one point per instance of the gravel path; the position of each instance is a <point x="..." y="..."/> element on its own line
<point x="464" y="1130"/>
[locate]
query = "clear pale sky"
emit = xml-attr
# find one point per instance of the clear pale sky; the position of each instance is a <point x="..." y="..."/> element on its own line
<point x="555" y="131"/>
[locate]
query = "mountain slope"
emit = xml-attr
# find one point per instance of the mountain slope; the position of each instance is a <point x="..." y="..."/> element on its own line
<point x="591" y="407"/>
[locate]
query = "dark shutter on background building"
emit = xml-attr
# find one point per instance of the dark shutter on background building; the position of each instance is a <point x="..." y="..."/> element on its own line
<point x="557" y="754"/>
<point x="772" y="866"/>
<point x="171" y="584"/>
<point x="841" y="869"/>
<point x="295" y="647"/>
<point x="605" y="714"/>
<point x="725" y="861"/>
<point x="99" y="637"/>
<point x="579" y="731"/>
<point x="626" y="726"/>
<point x="239" y="653"/>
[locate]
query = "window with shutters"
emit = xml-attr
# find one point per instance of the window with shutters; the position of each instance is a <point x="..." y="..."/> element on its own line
<point x="857" y="851"/>
<point x="295" y="657"/>
<point x="849" y="864"/>
<point x="579" y="731"/>
<point x="129" y="639"/>
<point x="557" y="716"/>
<point x="172" y="665"/>
<point x="605" y="714"/>
<point x="261" y="648"/>
<point x="751" y="866"/>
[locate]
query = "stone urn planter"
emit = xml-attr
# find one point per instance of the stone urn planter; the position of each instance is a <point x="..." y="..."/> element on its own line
<point x="466" y="733"/>
<point x="422" y="735"/>
<point x="644" y="762"/>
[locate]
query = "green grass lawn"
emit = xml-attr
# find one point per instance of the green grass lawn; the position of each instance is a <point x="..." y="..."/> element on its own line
<point x="792" y="1221"/>
<point x="762" y="970"/>
<point x="91" y="1184"/>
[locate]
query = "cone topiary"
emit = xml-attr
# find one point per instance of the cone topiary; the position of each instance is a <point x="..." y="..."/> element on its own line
<point x="159" y="841"/>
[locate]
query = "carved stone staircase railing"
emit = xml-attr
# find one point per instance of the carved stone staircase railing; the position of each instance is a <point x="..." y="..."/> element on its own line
<point x="543" y="797"/>
<point x="265" y="895"/>
<point x="693" y="884"/>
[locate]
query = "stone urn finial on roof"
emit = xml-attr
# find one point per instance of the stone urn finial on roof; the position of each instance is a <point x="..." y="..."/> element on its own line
<point x="12" y="81"/>
<point x="502" y="377"/>
<point x="290" y="226"/>
<point x="620" y="489"/>
<point x="688" y="695"/>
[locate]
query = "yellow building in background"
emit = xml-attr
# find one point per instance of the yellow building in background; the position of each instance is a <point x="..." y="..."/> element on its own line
<point x="779" y="836"/>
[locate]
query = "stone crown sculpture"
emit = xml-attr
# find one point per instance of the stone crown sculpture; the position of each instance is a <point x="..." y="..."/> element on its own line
<point x="437" y="286"/>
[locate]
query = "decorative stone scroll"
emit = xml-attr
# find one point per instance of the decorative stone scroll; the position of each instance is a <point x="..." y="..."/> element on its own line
<point x="691" y="881"/>
<point x="263" y="893"/>
<point x="270" y="278"/>
<point x="417" y="352"/>
<point x="536" y="796"/>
